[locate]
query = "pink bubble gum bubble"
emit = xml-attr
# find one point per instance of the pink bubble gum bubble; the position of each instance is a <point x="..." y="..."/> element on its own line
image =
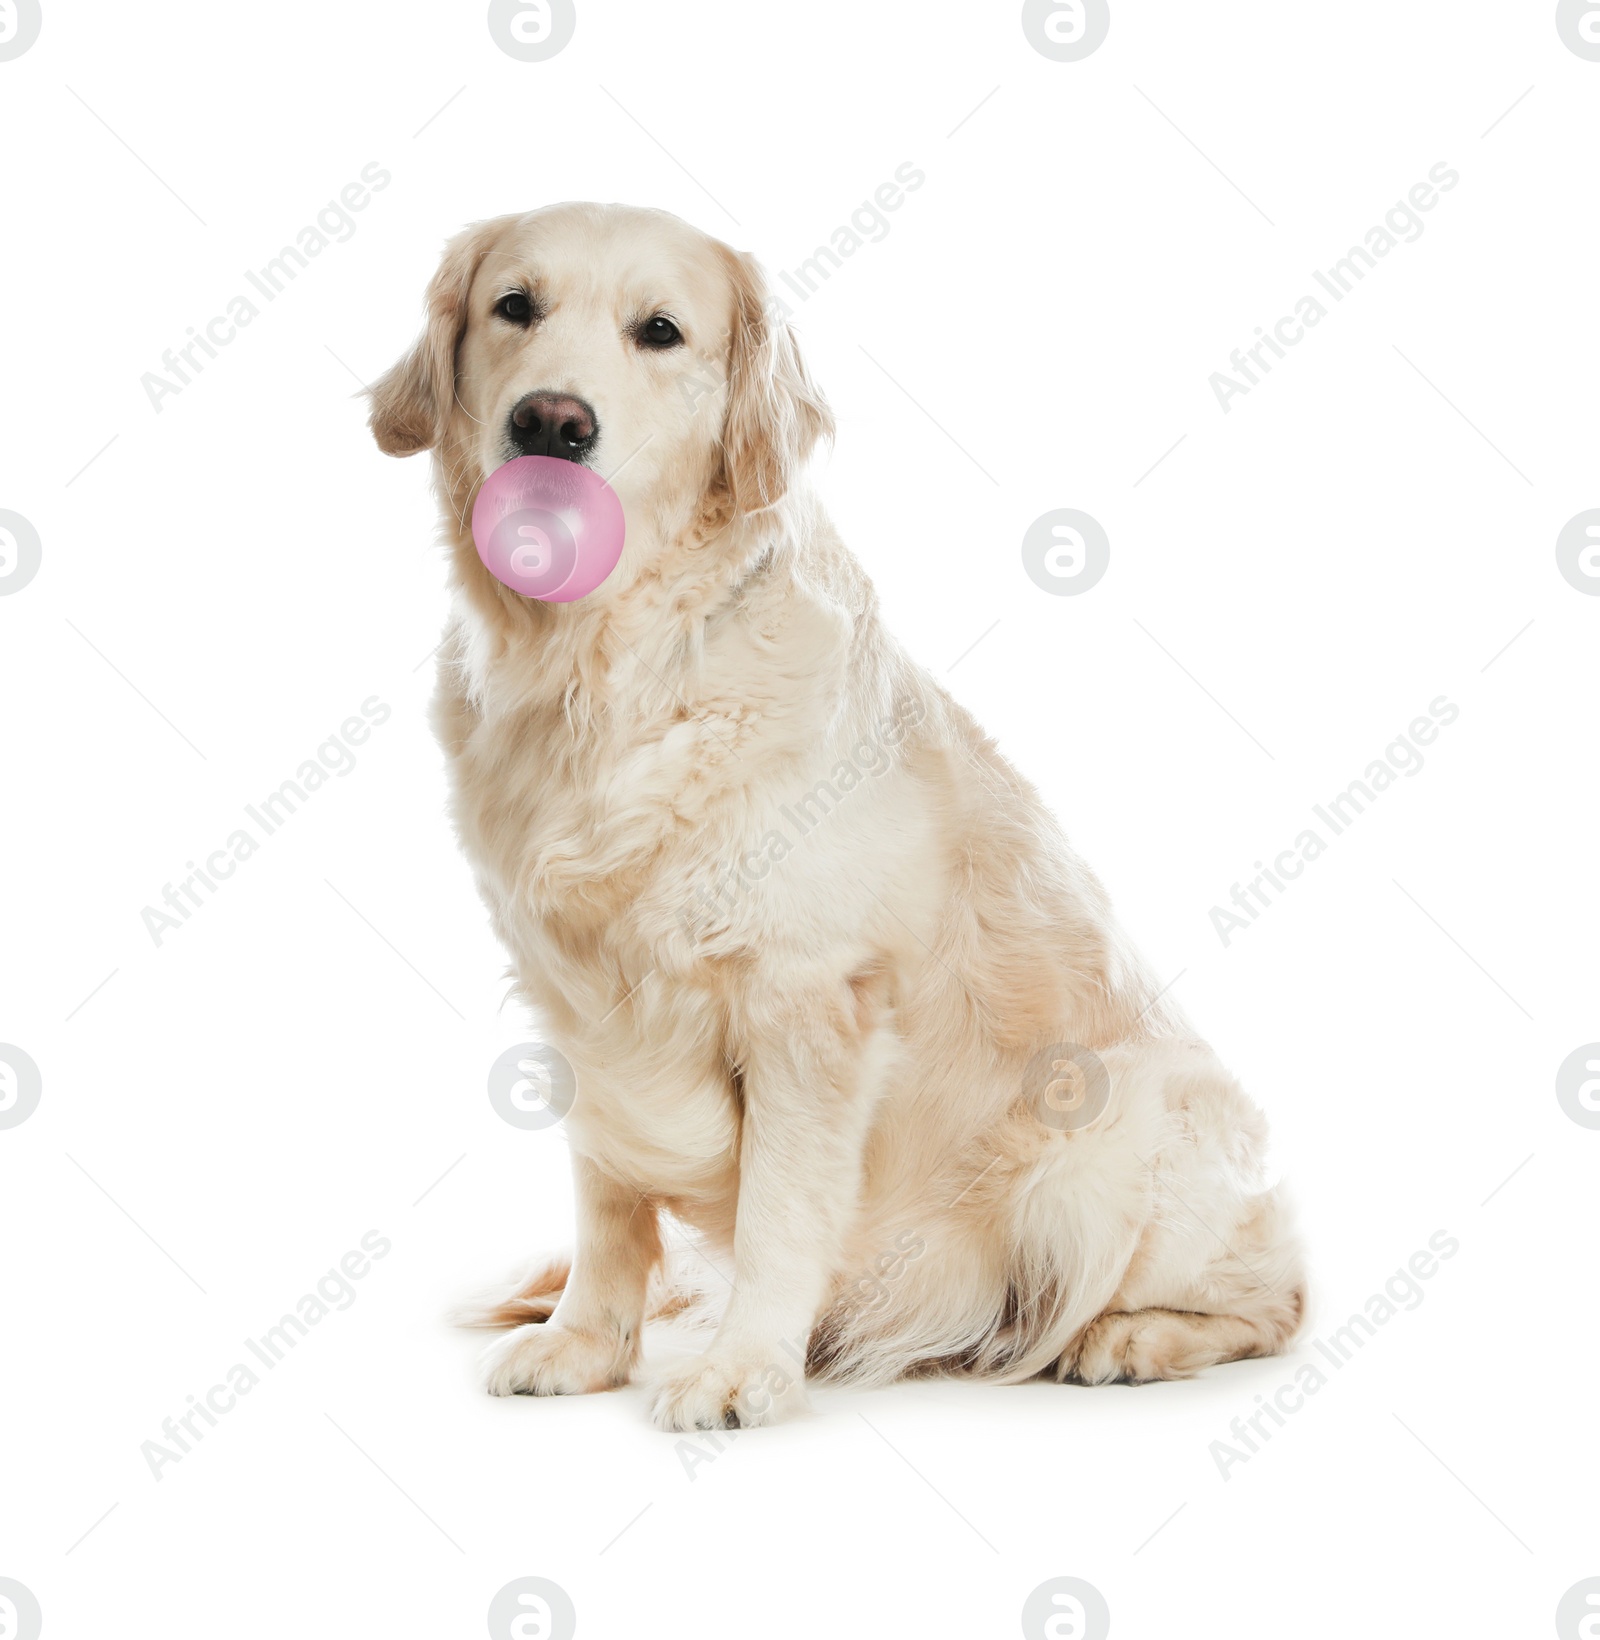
<point x="548" y="529"/>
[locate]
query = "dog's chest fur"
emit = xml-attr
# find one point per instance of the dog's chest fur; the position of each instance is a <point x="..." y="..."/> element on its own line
<point x="624" y="845"/>
<point x="571" y="827"/>
<point x="601" y="837"/>
<point x="598" y="822"/>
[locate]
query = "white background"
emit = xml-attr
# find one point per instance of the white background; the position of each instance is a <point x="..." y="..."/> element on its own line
<point x="227" y="1113"/>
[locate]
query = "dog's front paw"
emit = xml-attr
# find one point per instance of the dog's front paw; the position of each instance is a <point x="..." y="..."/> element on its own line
<point x="540" y="1359"/>
<point x="708" y="1393"/>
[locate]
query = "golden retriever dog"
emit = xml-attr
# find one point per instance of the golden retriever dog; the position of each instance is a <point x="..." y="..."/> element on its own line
<point x="839" y="997"/>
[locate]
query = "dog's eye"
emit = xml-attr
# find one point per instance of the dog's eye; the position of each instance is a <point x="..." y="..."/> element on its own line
<point x="516" y="308"/>
<point x="659" y="332"/>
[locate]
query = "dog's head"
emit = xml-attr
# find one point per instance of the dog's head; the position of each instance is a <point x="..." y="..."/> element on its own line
<point x="613" y="336"/>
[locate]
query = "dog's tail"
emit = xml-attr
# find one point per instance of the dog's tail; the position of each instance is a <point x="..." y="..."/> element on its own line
<point x="533" y="1299"/>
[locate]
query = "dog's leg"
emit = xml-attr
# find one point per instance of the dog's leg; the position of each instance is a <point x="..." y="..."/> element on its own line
<point x="591" y="1341"/>
<point x="1174" y="1322"/>
<point x="1218" y="1274"/>
<point x="814" y="1062"/>
<point x="1141" y="1346"/>
<point x="1177" y="1314"/>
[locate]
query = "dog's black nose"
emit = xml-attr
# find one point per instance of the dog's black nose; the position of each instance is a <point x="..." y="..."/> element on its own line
<point x="554" y="424"/>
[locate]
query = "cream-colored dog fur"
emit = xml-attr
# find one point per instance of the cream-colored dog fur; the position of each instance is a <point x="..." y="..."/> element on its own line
<point x="799" y="928"/>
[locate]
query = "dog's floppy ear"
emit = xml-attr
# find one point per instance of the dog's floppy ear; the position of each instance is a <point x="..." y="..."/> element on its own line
<point x="411" y="402"/>
<point x="775" y="412"/>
